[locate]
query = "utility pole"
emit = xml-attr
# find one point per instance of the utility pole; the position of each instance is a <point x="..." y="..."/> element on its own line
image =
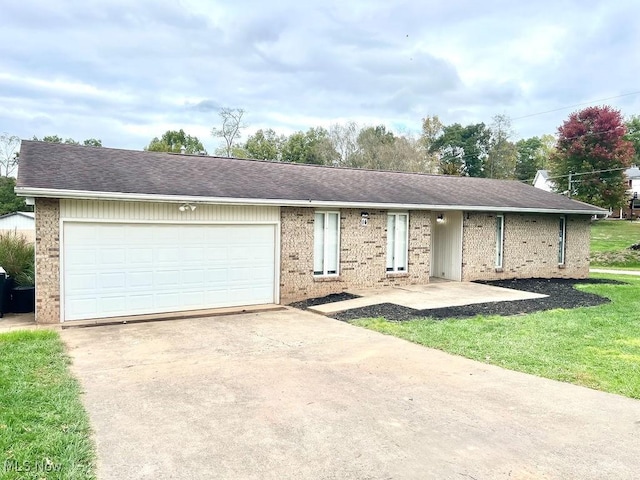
<point x="570" y="174"/>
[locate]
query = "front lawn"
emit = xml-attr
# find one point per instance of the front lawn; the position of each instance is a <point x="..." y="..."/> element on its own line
<point x="598" y="347"/>
<point x="610" y="242"/>
<point x="44" y="429"/>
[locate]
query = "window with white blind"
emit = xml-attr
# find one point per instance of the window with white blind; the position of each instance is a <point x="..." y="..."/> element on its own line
<point x="562" y="239"/>
<point x="326" y="243"/>
<point x="499" y="240"/>
<point x="397" y="242"/>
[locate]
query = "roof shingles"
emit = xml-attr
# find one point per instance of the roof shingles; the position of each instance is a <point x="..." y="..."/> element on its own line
<point x="62" y="168"/>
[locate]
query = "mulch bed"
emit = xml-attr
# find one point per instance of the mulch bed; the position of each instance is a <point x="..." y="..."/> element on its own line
<point x="312" y="302"/>
<point x="562" y="294"/>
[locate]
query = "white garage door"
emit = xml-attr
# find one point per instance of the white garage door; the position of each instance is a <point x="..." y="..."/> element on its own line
<point x="130" y="269"/>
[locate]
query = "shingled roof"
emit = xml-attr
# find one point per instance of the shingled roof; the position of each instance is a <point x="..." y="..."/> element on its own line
<point x="69" y="171"/>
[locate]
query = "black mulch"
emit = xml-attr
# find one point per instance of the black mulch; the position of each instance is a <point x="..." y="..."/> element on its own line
<point x="332" y="298"/>
<point x="562" y="294"/>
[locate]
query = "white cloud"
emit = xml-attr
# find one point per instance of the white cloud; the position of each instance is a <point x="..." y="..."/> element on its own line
<point x="126" y="72"/>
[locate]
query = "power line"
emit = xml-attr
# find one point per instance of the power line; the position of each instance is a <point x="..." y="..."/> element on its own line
<point x="576" y="105"/>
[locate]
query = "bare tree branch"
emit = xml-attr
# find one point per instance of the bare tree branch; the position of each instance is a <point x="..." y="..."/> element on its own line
<point x="232" y="125"/>
<point x="9" y="145"/>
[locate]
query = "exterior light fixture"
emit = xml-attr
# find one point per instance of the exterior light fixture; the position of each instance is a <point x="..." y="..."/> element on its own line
<point x="364" y="218"/>
<point x="440" y="218"/>
<point x="185" y="207"/>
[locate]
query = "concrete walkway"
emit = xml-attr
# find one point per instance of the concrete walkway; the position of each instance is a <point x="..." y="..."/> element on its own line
<point x="21" y="321"/>
<point x="433" y="295"/>
<point x="295" y="395"/>
<point x="614" y="272"/>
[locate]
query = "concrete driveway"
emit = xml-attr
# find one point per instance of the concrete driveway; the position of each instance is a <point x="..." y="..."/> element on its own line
<point x="292" y="394"/>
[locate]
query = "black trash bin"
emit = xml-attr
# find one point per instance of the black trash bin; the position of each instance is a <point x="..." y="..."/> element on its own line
<point x="5" y="293"/>
<point x="23" y="299"/>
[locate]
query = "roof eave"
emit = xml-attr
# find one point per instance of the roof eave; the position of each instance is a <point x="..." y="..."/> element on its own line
<point x="139" y="197"/>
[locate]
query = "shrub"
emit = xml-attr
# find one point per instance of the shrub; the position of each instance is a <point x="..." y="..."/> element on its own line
<point x="17" y="257"/>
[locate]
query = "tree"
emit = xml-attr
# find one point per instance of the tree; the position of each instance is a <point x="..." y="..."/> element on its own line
<point x="502" y="153"/>
<point x="528" y="161"/>
<point x="89" y="142"/>
<point x="592" y="140"/>
<point x="9" y="201"/>
<point x="175" y="141"/>
<point x="462" y="150"/>
<point x="9" y="145"/>
<point x="264" y="145"/>
<point x="231" y="129"/>
<point x="373" y="149"/>
<point x="344" y="139"/>
<point x="633" y="135"/>
<point x="533" y="155"/>
<point x="431" y="130"/>
<point x="312" y="146"/>
<point x="406" y="155"/>
<point x="92" y="142"/>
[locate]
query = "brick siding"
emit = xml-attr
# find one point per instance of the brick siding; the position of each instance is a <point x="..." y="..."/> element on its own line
<point x="47" y="260"/>
<point x="530" y="250"/>
<point x="530" y="246"/>
<point x="363" y="250"/>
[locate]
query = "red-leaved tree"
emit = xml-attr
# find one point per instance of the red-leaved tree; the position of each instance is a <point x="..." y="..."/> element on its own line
<point x="591" y="140"/>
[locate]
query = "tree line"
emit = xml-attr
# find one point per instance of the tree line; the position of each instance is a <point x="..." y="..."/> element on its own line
<point x="595" y="139"/>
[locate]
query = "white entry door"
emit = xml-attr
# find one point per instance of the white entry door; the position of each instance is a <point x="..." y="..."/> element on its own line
<point x="112" y="269"/>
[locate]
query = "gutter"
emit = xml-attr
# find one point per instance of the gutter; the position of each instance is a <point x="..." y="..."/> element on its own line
<point x="143" y="197"/>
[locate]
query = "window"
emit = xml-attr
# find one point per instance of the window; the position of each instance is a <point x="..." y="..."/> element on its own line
<point x="562" y="238"/>
<point x="326" y="236"/>
<point x="397" y="242"/>
<point x="499" y="239"/>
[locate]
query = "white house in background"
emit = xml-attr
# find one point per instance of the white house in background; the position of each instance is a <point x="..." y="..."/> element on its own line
<point x="633" y="175"/>
<point x="542" y="181"/>
<point x="23" y="223"/>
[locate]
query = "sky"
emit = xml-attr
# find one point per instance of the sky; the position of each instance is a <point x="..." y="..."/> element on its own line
<point x="127" y="71"/>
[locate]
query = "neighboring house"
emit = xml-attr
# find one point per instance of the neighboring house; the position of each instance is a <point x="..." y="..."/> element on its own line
<point x="128" y="232"/>
<point x="632" y="209"/>
<point x="633" y="177"/>
<point x="23" y="223"/>
<point x="542" y="181"/>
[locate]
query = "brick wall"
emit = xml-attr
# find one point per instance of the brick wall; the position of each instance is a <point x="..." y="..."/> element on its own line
<point x="47" y="260"/>
<point x="362" y="253"/>
<point x="530" y="246"/>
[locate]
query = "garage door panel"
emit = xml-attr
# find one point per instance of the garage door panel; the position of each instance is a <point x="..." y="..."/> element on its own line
<point x="114" y="280"/>
<point x="140" y="256"/>
<point x="128" y="269"/>
<point x="112" y="256"/>
<point x="217" y="276"/>
<point x="81" y="282"/>
<point x="260" y="274"/>
<point x="167" y="278"/>
<point x="167" y="301"/>
<point x="136" y="302"/>
<point x="83" y="256"/>
<point x="140" y="280"/>
<point x="82" y="304"/>
<point x="193" y="277"/>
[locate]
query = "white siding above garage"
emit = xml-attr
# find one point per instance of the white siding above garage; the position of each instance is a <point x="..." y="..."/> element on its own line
<point x="104" y="210"/>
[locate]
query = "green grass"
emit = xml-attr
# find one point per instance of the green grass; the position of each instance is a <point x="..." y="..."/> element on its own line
<point x="598" y="347"/>
<point x="44" y="429"/>
<point x="610" y="242"/>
